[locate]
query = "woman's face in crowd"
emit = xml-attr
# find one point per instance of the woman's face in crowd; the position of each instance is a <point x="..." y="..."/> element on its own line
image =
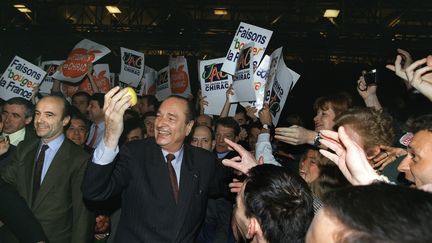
<point x="309" y="170"/>
<point x="324" y="119"/>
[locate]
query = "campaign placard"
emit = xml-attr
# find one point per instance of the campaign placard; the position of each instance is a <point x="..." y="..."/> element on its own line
<point x="101" y="76"/>
<point x="132" y="66"/>
<point x="179" y="76"/>
<point x="246" y="33"/>
<point x="163" y="89"/>
<point x="19" y="78"/>
<point x="214" y="85"/>
<point x="275" y="57"/>
<point x="260" y="80"/>
<point x="243" y="78"/>
<point x="75" y="67"/>
<point x="282" y="84"/>
<point x="149" y="81"/>
<point x="50" y="67"/>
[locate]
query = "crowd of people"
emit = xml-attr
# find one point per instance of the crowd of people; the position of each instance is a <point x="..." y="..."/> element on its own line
<point x="93" y="168"/>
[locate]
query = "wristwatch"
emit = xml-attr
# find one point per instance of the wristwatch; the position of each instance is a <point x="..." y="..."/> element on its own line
<point x="266" y="126"/>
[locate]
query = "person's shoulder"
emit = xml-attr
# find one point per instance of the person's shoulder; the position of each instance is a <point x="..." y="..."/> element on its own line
<point x="142" y="142"/>
<point x="75" y="151"/>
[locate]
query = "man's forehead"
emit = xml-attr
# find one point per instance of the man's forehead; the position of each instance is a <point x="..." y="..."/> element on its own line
<point x="15" y="107"/>
<point x="78" y="122"/>
<point x="222" y="127"/>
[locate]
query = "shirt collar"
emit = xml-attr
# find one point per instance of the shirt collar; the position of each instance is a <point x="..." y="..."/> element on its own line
<point x="57" y="142"/>
<point x="17" y="136"/>
<point x="178" y="155"/>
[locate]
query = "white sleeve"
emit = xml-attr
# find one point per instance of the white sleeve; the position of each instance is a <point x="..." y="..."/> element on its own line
<point x="104" y="155"/>
<point x="263" y="148"/>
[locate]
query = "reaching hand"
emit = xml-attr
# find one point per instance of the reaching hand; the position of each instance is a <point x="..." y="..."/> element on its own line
<point x="202" y="102"/>
<point x="398" y="68"/>
<point x="244" y="162"/>
<point x="250" y="112"/>
<point x="388" y="154"/>
<point x="420" y="77"/>
<point x="235" y="186"/>
<point x="265" y="115"/>
<point x="115" y="105"/>
<point x="364" y="90"/>
<point x="348" y="156"/>
<point x="4" y="145"/>
<point x="294" y="135"/>
<point x="229" y="92"/>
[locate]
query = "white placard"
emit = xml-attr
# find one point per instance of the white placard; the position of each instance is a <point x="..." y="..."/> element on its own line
<point x="163" y="89"/>
<point x="50" y="67"/>
<point x="243" y="79"/>
<point x="149" y="80"/>
<point x="275" y="57"/>
<point x="19" y="78"/>
<point x="82" y="55"/>
<point x="179" y="76"/>
<point x="132" y="67"/>
<point x="246" y="33"/>
<point x="214" y="85"/>
<point x="282" y="84"/>
<point x="260" y="80"/>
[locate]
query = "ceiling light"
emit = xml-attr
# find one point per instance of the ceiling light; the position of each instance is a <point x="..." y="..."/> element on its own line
<point x="19" y="6"/>
<point x="24" y="10"/>
<point x="331" y="13"/>
<point x="220" y="12"/>
<point x="113" y="9"/>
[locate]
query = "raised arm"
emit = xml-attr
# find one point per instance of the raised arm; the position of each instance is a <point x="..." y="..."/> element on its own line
<point x="227" y="105"/>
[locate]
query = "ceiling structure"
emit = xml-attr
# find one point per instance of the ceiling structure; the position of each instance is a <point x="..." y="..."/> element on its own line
<point x="364" y="31"/>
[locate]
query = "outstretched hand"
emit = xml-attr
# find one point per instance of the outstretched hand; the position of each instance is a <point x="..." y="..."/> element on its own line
<point x="244" y="162"/>
<point x="348" y="156"/>
<point x="420" y="77"/>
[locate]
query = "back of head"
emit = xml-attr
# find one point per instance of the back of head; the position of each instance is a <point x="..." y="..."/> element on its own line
<point x="380" y="213"/>
<point x="281" y="201"/>
<point x="81" y="94"/>
<point x="420" y="123"/>
<point x="375" y="127"/>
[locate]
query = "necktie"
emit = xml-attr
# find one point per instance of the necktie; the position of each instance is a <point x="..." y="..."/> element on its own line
<point x="93" y="140"/>
<point x="172" y="175"/>
<point x="38" y="170"/>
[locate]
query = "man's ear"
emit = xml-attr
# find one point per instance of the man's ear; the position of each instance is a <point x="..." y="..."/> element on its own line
<point x="189" y="127"/>
<point x="66" y="120"/>
<point x="213" y="144"/>
<point x="28" y="120"/>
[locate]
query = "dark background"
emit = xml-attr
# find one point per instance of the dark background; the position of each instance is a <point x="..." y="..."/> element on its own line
<point x="329" y="56"/>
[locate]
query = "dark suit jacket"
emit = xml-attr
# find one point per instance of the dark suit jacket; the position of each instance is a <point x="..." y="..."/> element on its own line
<point x="17" y="217"/>
<point x="149" y="211"/>
<point x="58" y="205"/>
<point x="30" y="135"/>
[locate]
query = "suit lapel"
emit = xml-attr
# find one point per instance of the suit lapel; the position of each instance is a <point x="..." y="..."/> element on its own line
<point x="29" y="160"/>
<point x="54" y="173"/>
<point x="188" y="178"/>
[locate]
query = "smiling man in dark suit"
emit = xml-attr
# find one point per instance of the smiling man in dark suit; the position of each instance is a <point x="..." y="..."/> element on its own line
<point x="162" y="200"/>
<point x="48" y="172"/>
